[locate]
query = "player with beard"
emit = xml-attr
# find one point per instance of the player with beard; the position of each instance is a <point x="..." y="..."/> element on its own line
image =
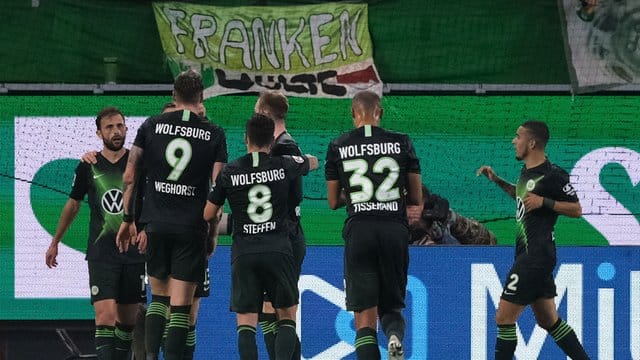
<point x="542" y="193"/>
<point x="116" y="279"/>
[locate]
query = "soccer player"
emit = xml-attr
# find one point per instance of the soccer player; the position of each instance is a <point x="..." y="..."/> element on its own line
<point x="177" y="151"/>
<point x="116" y="279"/>
<point x="275" y="105"/>
<point x="257" y="188"/>
<point x="375" y="173"/>
<point x="542" y="193"/>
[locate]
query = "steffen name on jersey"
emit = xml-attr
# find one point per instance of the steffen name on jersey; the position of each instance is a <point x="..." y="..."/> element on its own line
<point x="257" y="177"/>
<point x="250" y="229"/>
<point x="184" y="131"/>
<point x="351" y="151"/>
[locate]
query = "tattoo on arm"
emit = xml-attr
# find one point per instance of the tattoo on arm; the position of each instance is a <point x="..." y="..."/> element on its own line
<point x="507" y="187"/>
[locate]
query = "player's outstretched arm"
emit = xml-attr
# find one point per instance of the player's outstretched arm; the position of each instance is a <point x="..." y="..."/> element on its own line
<point x="507" y="187"/>
<point x="313" y="162"/>
<point x="69" y="212"/>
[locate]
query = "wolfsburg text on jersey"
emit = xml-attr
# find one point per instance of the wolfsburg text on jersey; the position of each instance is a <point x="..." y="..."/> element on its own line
<point x="387" y="148"/>
<point x="175" y="189"/>
<point x="184" y="131"/>
<point x="375" y="206"/>
<point x="257" y="177"/>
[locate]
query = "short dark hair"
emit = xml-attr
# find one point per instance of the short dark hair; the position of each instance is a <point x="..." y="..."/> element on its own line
<point x="188" y="87"/>
<point x="276" y="104"/>
<point x="367" y="99"/>
<point x="260" y="130"/>
<point x="107" y="112"/>
<point x="538" y="131"/>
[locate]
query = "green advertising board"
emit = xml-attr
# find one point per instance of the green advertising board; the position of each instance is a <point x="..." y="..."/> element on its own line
<point x="594" y="138"/>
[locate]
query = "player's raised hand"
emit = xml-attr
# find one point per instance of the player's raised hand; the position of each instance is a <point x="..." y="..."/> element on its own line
<point x="52" y="254"/>
<point x="90" y="157"/>
<point x="488" y="172"/>
<point x="313" y="161"/>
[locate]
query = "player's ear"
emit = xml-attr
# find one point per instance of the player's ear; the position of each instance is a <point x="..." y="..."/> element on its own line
<point x="380" y="112"/>
<point x="99" y="134"/>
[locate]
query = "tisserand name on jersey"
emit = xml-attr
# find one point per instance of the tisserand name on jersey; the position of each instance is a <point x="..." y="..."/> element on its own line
<point x="363" y="203"/>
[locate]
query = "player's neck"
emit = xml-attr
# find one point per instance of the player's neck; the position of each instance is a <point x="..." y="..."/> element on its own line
<point x="279" y="128"/>
<point x="113" y="156"/>
<point x="252" y="149"/>
<point x="360" y="122"/>
<point x="191" y="107"/>
<point x="534" y="159"/>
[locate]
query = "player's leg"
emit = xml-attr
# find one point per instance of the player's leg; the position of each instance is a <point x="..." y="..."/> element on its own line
<point x="187" y="270"/>
<point x="158" y="258"/>
<point x="103" y="284"/>
<point x="247" y="347"/>
<point x="105" y="328"/>
<point x="281" y="284"/>
<point x="246" y="299"/>
<point x="123" y="334"/>
<point x="202" y="290"/>
<point x="181" y="297"/>
<point x="269" y="323"/>
<point x="132" y="292"/>
<point x="394" y="265"/>
<point x="362" y="285"/>
<point x="520" y="289"/>
<point x="506" y="317"/>
<point x="548" y="319"/>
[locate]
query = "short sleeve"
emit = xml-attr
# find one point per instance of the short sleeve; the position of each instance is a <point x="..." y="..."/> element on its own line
<point x="80" y="186"/>
<point x="141" y="135"/>
<point x="413" y="164"/>
<point x="221" y="146"/>
<point x="218" y="195"/>
<point x="331" y="164"/>
<point x="563" y="190"/>
<point x="296" y="165"/>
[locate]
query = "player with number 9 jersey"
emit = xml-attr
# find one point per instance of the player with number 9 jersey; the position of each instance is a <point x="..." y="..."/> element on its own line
<point x="180" y="149"/>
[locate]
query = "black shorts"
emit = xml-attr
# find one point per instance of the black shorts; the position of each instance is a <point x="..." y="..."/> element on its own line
<point x="253" y="274"/>
<point x="181" y="255"/>
<point x="376" y="260"/>
<point x="204" y="288"/>
<point x="122" y="282"/>
<point x="525" y="284"/>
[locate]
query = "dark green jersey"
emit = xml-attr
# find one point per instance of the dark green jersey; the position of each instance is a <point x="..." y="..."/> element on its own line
<point x="535" y="243"/>
<point x="102" y="183"/>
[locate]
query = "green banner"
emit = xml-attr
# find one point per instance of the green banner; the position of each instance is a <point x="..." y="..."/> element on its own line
<point x="309" y="51"/>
